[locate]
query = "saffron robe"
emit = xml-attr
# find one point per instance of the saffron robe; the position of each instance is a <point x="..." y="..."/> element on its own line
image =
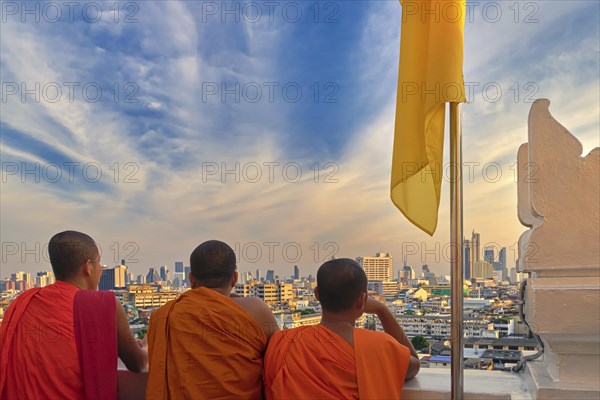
<point x="203" y="345"/>
<point x="59" y="342"/>
<point x="313" y="362"/>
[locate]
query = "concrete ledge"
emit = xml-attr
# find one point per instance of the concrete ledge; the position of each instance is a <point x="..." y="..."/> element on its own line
<point x="434" y="384"/>
<point x="542" y="386"/>
<point x="430" y="384"/>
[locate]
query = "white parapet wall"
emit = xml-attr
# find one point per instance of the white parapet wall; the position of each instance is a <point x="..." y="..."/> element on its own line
<point x="559" y="200"/>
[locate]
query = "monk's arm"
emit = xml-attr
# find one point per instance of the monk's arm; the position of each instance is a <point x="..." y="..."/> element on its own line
<point x="134" y="357"/>
<point x="261" y="312"/>
<point x="393" y="328"/>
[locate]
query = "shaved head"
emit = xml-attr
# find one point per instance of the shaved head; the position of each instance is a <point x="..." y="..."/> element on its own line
<point x="213" y="264"/>
<point x="340" y="282"/>
<point x="68" y="250"/>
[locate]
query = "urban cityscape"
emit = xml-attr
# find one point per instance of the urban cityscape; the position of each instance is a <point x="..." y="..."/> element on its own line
<point x="495" y="335"/>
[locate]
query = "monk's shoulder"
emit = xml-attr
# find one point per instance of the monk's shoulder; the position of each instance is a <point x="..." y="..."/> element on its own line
<point x="162" y="311"/>
<point x="301" y="333"/>
<point x="252" y="305"/>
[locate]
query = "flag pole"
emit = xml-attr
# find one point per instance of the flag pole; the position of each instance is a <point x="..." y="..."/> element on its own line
<point x="456" y="244"/>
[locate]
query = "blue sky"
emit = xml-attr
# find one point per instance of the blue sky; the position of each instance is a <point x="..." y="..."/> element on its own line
<point x="163" y="129"/>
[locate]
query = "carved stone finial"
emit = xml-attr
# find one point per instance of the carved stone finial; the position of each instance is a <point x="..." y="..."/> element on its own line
<point x="558" y="198"/>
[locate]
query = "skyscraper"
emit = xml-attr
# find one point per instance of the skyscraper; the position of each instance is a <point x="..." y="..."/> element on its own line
<point x="179" y="272"/>
<point x="482" y="269"/>
<point x="378" y="268"/>
<point x="270" y="276"/>
<point x="475" y="254"/>
<point x="488" y="255"/>
<point x="44" y="278"/>
<point x="22" y="276"/>
<point x="426" y="273"/>
<point x="120" y="273"/>
<point x="165" y="273"/>
<point x="408" y="274"/>
<point x="107" y="279"/>
<point x="186" y="271"/>
<point x="467" y="265"/>
<point x="152" y="276"/>
<point x="502" y="261"/>
<point x="296" y="272"/>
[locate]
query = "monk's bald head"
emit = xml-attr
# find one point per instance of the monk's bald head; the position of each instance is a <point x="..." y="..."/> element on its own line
<point x="340" y="282"/>
<point x="68" y="250"/>
<point x="213" y="264"/>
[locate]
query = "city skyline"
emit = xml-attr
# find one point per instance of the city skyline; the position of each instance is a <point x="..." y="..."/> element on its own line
<point x="290" y="269"/>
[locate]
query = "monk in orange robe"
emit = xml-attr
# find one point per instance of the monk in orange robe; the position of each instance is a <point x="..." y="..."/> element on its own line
<point x="335" y="360"/>
<point x="62" y="341"/>
<point x="207" y="344"/>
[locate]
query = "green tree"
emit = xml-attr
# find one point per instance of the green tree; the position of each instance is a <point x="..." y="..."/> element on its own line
<point x="307" y="311"/>
<point x="419" y="342"/>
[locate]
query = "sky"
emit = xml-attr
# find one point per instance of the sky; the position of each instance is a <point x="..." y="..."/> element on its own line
<point x="156" y="125"/>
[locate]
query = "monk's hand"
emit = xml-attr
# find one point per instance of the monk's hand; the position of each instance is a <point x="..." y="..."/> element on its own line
<point x="373" y="306"/>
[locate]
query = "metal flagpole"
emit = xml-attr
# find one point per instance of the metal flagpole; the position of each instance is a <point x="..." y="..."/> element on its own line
<point x="456" y="245"/>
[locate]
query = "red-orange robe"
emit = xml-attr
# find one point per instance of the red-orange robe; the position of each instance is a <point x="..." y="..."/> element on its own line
<point x="45" y="335"/>
<point x="313" y="362"/>
<point x="204" y="346"/>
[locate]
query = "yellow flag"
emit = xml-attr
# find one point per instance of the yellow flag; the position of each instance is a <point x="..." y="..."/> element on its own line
<point x="430" y="74"/>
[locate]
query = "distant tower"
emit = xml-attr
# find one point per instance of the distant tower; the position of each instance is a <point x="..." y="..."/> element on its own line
<point x="179" y="272"/>
<point x="270" y="275"/>
<point x="296" y="272"/>
<point x="107" y="279"/>
<point x="488" y="255"/>
<point x="502" y="261"/>
<point x="152" y="276"/>
<point x="165" y="273"/>
<point x="467" y="264"/>
<point x="475" y="254"/>
<point x="120" y="272"/>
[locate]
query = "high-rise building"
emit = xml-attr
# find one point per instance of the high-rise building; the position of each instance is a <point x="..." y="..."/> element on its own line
<point x="426" y="273"/>
<point x="296" y="272"/>
<point x="107" y="279"/>
<point x="187" y="271"/>
<point x="488" y="255"/>
<point x="179" y="271"/>
<point x="22" y="276"/>
<point x="378" y="268"/>
<point x="152" y="276"/>
<point x="119" y="276"/>
<point x="270" y="276"/>
<point x="408" y="274"/>
<point x="165" y="273"/>
<point x="482" y="269"/>
<point x="467" y="264"/>
<point x="44" y="278"/>
<point x="475" y="254"/>
<point x="257" y="277"/>
<point x="502" y="261"/>
<point x="141" y="279"/>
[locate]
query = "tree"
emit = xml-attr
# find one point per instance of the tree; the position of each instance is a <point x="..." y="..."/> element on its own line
<point x="419" y="342"/>
<point x="307" y="311"/>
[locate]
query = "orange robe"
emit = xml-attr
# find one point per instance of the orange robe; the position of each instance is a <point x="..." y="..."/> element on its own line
<point x="203" y="345"/>
<point x="313" y="362"/>
<point x="42" y="359"/>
